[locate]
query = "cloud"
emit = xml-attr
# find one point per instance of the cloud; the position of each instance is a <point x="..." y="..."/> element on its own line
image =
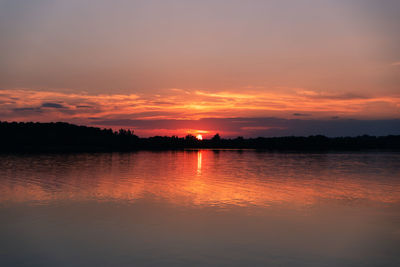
<point x="36" y="109"/>
<point x="253" y="127"/>
<point x="332" y="96"/>
<point x="83" y="106"/>
<point x="300" y="114"/>
<point x="52" y="105"/>
<point x="178" y="106"/>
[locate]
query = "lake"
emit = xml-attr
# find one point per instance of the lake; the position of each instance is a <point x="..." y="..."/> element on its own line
<point x="200" y="208"/>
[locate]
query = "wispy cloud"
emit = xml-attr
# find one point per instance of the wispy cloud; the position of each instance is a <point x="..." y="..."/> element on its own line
<point x="181" y="104"/>
<point x="300" y="114"/>
<point x="233" y="127"/>
<point x="52" y="105"/>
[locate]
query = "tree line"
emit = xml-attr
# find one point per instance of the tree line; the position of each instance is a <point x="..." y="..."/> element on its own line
<point x="66" y="137"/>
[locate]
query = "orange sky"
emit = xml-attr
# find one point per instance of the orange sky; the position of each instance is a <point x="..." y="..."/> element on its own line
<point x="89" y="63"/>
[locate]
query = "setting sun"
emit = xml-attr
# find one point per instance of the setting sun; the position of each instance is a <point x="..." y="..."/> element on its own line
<point x="103" y="108"/>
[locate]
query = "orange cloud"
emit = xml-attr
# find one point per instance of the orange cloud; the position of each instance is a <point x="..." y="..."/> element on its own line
<point x="31" y="105"/>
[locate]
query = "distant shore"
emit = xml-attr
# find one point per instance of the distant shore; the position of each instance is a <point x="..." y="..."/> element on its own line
<point x="65" y="137"/>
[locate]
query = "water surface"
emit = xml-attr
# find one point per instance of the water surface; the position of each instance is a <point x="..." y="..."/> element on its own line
<point x="200" y="208"/>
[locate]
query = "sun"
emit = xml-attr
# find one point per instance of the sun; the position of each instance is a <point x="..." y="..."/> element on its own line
<point x="199" y="137"/>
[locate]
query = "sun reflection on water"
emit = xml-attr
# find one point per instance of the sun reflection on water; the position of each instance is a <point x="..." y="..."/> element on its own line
<point x="199" y="162"/>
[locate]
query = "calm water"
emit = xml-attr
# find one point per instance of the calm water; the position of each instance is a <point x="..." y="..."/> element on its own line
<point x="200" y="208"/>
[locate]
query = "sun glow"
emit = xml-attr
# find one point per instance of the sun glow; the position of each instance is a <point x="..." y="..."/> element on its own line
<point x="199" y="137"/>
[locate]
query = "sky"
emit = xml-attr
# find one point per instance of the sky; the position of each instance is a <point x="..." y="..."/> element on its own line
<point x="173" y="67"/>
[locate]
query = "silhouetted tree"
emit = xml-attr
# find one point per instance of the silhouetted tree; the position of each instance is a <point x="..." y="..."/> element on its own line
<point x="61" y="136"/>
<point x="190" y="137"/>
<point x="216" y="138"/>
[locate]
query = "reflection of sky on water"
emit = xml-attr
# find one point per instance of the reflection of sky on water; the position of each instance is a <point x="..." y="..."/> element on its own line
<point x="203" y="178"/>
<point x="200" y="208"/>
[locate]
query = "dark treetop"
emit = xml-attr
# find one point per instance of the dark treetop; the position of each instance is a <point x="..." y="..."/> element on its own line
<point x="65" y="137"/>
